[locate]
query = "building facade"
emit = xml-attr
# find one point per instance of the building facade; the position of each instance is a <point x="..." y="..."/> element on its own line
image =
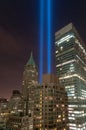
<point x="16" y="103"/>
<point x="46" y="103"/>
<point x="50" y="105"/>
<point x="4" y="113"/>
<point x="30" y="75"/>
<point x="71" y="69"/>
<point x="30" y="78"/>
<point x="18" y="122"/>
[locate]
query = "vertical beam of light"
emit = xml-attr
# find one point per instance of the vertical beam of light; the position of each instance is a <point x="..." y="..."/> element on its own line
<point x="49" y="36"/>
<point x="41" y="39"/>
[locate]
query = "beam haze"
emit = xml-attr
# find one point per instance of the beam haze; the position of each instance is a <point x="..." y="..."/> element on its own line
<point x="41" y="39"/>
<point x="49" y="36"/>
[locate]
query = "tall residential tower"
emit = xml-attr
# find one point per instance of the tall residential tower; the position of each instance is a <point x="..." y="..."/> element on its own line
<point x="71" y="70"/>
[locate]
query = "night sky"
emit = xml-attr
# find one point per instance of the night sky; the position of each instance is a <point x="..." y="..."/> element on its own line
<point x="19" y="35"/>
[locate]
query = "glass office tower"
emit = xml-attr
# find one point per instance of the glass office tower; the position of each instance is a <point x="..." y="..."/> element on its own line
<point x="71" y="69"/>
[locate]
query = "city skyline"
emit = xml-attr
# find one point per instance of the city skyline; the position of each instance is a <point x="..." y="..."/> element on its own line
<point x="19" y="34"/>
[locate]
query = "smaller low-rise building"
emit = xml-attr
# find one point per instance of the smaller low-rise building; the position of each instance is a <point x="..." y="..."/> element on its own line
<point x="4" y="113"/>
<point x="17" y="122"/>
<point x="16" y="102"/>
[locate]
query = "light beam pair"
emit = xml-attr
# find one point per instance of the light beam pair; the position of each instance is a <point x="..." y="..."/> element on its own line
<point x="42" y="26"/>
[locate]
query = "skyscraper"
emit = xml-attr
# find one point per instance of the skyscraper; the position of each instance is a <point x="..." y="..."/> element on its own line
<point x="71" y="69"/>
<point x="30" y="75"/>
<point x="30" y="78"/>
<point x="50" y="105"/>
<point x="45" y="103"/>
